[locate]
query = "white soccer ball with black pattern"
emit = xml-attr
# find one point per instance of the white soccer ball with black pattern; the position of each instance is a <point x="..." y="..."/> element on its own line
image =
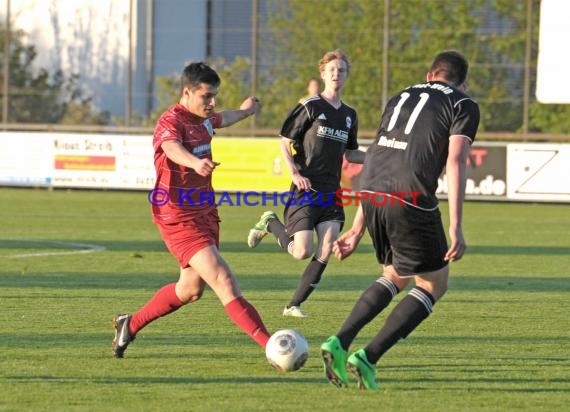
<point x="287" y="350"/>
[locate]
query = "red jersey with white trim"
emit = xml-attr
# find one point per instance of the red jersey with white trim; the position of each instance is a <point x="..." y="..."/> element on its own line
<point x="189" y="194"/>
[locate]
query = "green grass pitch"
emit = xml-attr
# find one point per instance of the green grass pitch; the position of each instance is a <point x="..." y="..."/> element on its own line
<point x="498" y="341"/>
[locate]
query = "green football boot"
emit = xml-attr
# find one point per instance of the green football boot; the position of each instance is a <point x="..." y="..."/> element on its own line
<point x="259" y="230"/>
<point x="334" y="360"/>
<point x="364" y="371"/>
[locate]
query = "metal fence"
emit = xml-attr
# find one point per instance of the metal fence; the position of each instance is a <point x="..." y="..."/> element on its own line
<point x="248" y="31"/>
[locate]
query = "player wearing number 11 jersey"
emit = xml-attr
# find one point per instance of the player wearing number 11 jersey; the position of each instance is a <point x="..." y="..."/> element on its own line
<point x="423" y="129"/>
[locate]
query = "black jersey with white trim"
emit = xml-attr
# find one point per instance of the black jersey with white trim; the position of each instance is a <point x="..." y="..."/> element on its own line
<point x="321" y="134"/>
<point x="412" y="141"/>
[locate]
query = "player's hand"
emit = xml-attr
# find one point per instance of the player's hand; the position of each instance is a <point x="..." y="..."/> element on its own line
<point x="252" y="105"/>
<point x="301" y="182"/>
<point x="205" y="167"/>
<point x="458" y="246"/>
<point x="346" y="244"/>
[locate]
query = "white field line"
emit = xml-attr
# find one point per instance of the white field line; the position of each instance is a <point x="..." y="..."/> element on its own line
<point x="83" y="248"/>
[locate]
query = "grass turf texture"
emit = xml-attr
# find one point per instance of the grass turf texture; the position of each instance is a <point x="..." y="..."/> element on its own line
<point x="499" y="340"/>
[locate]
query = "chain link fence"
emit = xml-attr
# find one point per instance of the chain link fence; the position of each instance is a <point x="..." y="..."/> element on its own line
<point x="271" y="48"/>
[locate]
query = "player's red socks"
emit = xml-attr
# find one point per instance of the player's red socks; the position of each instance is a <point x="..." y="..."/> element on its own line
<point x="243" y="314"/>
<point x="162" y="303"/>
<point x="165" y="301"/>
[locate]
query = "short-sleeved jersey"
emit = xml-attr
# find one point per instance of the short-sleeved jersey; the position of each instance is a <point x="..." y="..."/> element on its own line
<point x="412" y="141"/>
<point x="321" y="134"/>
<point x="183" y="185"/>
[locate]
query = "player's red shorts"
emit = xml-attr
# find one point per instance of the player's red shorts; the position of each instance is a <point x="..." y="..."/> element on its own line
<point x="185" y="239"/>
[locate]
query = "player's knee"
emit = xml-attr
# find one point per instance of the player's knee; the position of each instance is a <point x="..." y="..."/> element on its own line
<point x="435" y="287"/>
<point x="439" y="291"/>
<point x="194" y="297"/>
<point x="301" y="252"/>
<point x="189" y="296"/>
<point x="189" y="291"/>
<point x="391" y="274"/>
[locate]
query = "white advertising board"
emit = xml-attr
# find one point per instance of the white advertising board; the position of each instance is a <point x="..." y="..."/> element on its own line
<point x="25" y="159"/>
<point x="538" y="172"/>
<point x="500" y="171"/>
<point x="102" y="161"/>
<point x="76" y="160"/>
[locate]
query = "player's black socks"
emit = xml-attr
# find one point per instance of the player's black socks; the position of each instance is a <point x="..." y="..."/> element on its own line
<point x="405" y="317"/>
<point x="372" y="301"/>
<point x="278" y="230"/>
<point x="309" y="281"/>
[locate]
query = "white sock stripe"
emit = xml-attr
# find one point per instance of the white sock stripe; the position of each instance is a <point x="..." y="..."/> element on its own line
<point x="423" y="298"/>
<point x="389" y="284"/>
<point x="290" y="247"/>
<point x="318" y="259"/>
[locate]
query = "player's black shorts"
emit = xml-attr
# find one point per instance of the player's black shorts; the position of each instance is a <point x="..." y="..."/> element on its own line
<point x="305" y="210"/>
<point x="411" y="239"/>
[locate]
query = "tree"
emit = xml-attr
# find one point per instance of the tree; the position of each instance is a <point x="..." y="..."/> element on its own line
<point x="38" y="96"/>
<point x="235" y="87"/>
<point x="491" y="33"/>
<point x="417" y="31"/>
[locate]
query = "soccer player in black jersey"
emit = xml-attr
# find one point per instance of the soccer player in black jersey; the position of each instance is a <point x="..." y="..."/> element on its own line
<point x="321" y="129"/>
<point x="424" y="128"/>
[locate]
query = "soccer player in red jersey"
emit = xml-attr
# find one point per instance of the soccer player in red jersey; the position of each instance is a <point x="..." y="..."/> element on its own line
<point x="184" y="212"/>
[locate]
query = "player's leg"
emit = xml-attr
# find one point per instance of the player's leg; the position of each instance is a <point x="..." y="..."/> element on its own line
<point x="289" y="236"/>
<point x="372" y="301"/>
<point x="169" y="298"/>
<point x="166" y="300"/>
<point x="182" y="240"/>
<point x="370" y="304"/>
<point x="327" y="232"/>
<point x="420" y="241"/>
<point x="334" y="350"/>
<point x="378" y="295"/>
<point x="214" y="270"/>
<point x="407" y="315"/>
<point x="270" y="223"/>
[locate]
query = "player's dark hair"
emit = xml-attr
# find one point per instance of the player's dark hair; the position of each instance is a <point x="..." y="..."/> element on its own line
<point x="451" y="65"/>
<point x="196" y="73"/>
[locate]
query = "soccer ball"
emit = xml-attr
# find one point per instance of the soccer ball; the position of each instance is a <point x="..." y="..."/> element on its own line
<point x="287" y="350"/>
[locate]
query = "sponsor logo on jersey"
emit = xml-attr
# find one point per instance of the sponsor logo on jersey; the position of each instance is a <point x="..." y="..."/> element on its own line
<point x="392" y="143"/>
<point x="202" y="150"/>
<point x="334" y="134"/>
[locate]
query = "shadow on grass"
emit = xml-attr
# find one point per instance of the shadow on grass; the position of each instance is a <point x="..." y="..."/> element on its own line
<point x="190" y="338"/>
<point x="171" y="380"/>
<point x="268" y="246"/>
<point x="499" y="384"/>
<point x="518" y="250"/>
<point x="266" y="282"/>
<point x="38" y="245"/>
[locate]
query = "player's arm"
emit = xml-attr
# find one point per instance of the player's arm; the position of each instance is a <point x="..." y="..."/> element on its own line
<point x="347" y="242"/>
<point x="456" y="172"/>
<point x="355" y="156"/>
<point x="250" y="106"/>
<point x="301" y="182"/>
<point x="177" y="153"/>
